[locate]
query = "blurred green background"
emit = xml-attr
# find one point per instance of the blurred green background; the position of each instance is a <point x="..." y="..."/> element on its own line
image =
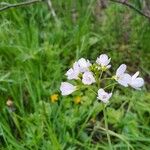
<point x="36" y="49"/>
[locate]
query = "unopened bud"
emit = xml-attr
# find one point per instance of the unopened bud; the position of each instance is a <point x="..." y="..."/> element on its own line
<point x="9" y="103"/>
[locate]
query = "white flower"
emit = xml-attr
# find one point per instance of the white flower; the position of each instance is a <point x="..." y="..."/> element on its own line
<point x="88" y="78"/>
<point x="84" y="64"/>
<point x="136" y="82"/>
<point x="103" y="61"/>
<point x="103" y="96"/>
<point x="73" y="73"/>
<point x="67" y="88"/>
<point x="122" y="77"/>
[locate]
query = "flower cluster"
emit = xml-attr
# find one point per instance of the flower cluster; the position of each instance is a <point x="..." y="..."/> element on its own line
<point x="88" y="73"/>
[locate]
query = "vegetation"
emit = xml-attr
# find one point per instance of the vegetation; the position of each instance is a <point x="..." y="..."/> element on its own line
<point x="36" y="49"/>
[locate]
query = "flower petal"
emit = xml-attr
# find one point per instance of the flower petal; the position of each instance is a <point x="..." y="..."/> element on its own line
<point x="88" y="78"/>
<point x="137" y="83"/>
<point x="84" y="64"/>
<point x="124" y="80"/>
<point x="100" y="91"/>
<point x="109" y="66"/>
<point x="122" y="68"/>
<point x="135" y="75"/>
<point x="67" y="88"/>
<point x="103" y="96"/>
<point x="103" y="60"/>
<point x="76" y="66"/>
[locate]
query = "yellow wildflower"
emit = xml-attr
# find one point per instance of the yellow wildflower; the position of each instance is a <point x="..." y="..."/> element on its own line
<point x="54" y="98"/>
<point x="77" y="100"/>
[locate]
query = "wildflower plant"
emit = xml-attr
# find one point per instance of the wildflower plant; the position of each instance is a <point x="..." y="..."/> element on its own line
<point x="86" y="74"/>
<point x="98" y="78"/>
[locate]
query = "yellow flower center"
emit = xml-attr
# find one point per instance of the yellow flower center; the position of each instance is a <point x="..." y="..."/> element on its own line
<point x="54" y="98"/>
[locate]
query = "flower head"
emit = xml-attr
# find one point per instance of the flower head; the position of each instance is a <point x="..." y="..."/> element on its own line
<point x="103" y="96"/>
<point x="88" y="78"/>
<point x="73" y="73"/>
<point x="122" y="77"/>
<point x="84" y="64"/>
<point x="136" y="82"/>
<point x="54" y="98"/>
<point x="103" y="61"/>
<point x="67" y="88"/>
<point x="77" y="100"/>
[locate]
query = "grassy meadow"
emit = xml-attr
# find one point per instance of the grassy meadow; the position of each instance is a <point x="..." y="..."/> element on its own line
<point x="36" y="50"/>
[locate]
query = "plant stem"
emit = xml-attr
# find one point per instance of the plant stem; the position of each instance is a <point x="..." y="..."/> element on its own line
<point x="99" y="79"/>
<point x="107" y="78"/>
<point x="93" y="91"/>
<point x="110" y="85"/>
<point x="106" y="126"/>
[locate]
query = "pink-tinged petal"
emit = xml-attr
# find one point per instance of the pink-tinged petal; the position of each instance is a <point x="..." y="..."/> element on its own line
<point x="72" y="74"/>
<point x="67" y="88"/>
<point x="100" y="91"/>
<point x="135" y="75"/>
<point x="122" y="68"/>
<point x="84" y="64"/>
<point x="127" y="78"/>
<point x="88" y="63"/>
<point x="109" y="66"/>
<point x="76" y="66"/>
<point x="124" y="79"/>
<point x="123" y="83"/>
<point x="88" y="78"/>
<point x="109" y="95"/>
<point x="103" y="96"/>
<point x="140" y="82"/>
<point x="69" y="72"/>
<point x="103" y="60"/>
<point x="137" y="83"/>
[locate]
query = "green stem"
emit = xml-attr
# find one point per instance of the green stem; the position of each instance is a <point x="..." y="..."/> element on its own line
<point x="110" y="85"/>
<point x="113" y="88"/>
<point x="106" y="126"/>
<point x="107" y="78"/>
<point x="99" y="79"/>
<point x="92" y="91"/>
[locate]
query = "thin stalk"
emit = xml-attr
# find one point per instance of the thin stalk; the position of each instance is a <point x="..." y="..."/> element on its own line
<point x="113" y="87"/>
<point x="107" y="78"/>
<point x="99" y="79"/>
<point x="52" y="11"/>
<point x="106" y="127"/>
<point x="92" y="91"/>
<point x="110" y="85"/>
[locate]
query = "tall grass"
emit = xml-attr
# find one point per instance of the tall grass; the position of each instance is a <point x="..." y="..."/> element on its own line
<point x="35" y="53"/>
